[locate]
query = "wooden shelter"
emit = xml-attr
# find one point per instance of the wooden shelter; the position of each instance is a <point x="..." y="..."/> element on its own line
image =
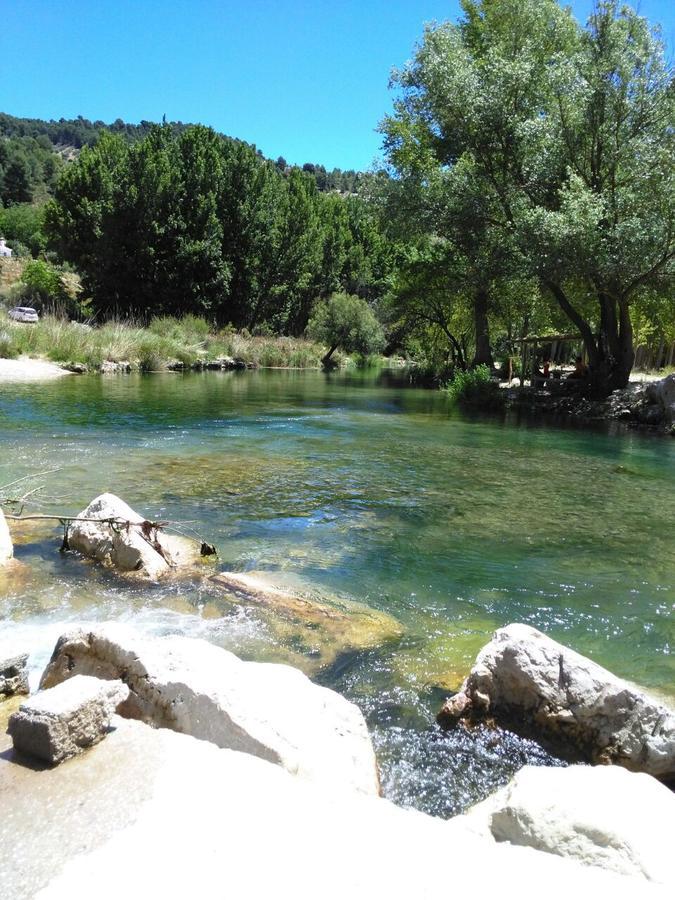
<point x="530" y="345"/>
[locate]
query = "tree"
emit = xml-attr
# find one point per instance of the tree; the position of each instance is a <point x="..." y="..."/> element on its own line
<point x="140" y="222"/>
<point x="427" y="304"/>
<point x="346" y="322"/>
<point x="567" y="133"/>
<point x="24" y="223"/>
<point x="193" y="222"/>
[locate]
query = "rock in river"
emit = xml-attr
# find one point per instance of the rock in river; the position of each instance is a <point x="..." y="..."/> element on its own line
<point x="269" y="710"/>
<point x="529" y="681"/>
<point x="125" y="540"/>
<point x="6" y="546"/>
<point x="324" y="629"/>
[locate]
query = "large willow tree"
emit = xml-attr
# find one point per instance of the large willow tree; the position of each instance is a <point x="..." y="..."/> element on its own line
<point x="565" y="136"/>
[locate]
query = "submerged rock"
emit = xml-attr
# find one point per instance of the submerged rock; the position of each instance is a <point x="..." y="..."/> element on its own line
<point x="126" y="541"/>
<point x="151" y="813"/>
<point x="63" y="721"/>
<point x="325" y="630"/>
<point x="13" y="674"/>
<point x="528" y="681"/>
<point x="6" y="546"/>
<point x="269" y="710"/>
<point x="599" y="815"/>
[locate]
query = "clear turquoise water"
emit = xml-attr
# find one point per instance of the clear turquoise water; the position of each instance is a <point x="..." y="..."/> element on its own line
<point x="343" y="486"/>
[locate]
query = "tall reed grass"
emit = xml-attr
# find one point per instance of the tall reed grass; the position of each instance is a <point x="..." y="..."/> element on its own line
<point x="189" y="341"/>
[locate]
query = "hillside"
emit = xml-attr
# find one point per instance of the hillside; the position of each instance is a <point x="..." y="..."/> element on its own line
<point x="33" y="152"/>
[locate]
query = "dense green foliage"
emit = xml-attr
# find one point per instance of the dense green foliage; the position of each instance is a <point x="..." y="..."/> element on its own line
<point x="534" y="152"/>
<point x="533" y="192"/>
<point x="76" y="133"/>
<point x="66" y="135"/>
<point x="197" y="223"/>
<point x="346" y="322"/>
<point x="28" y="169"/>
<point x="474" y="387"/>
<point x="46" y="287"/>
<point x="22" y="226"/>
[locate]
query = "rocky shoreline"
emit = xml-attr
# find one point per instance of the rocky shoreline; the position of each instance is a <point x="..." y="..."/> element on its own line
<point x="646" y="406"/>
<point x="124" y="367"/>
<point x="214" y="763"/>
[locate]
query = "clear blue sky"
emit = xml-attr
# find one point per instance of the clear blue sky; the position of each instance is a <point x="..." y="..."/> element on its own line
<point x="304" y="80"/>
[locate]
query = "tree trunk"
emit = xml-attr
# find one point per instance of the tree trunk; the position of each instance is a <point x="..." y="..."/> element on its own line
<point x="614" y="363"/>
<point x="611" y="355"/>
<point x="483" y="354"/>
<point x="326" y="359"/>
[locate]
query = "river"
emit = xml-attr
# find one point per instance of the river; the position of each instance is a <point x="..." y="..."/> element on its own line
<point x="346" y="486"/>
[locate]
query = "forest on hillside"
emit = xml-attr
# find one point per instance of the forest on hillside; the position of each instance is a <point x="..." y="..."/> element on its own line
<point x="36" y="147"/>
<point x="530" y="189"/>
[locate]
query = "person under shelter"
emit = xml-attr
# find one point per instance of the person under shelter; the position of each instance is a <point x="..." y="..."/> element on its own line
<point x="580" y="369"/>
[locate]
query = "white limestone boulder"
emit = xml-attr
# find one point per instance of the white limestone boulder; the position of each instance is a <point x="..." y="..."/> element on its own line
<point x="269" y="710"/>
<point x="663" y="393"/>
<point x="63" y="721"/>
<point x="150" y="813"/>
<point x="599" y="815"/>
<point x="530" y="682"/>
<point x="13" y="673"/>
<point x="121" y="538"/>
<point x="6" y="546"/>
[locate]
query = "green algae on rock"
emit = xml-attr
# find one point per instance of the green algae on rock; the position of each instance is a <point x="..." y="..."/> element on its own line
<point x="325" y="629"/>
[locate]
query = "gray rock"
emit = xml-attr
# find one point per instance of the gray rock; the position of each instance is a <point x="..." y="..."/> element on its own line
<point x="13" y="674"/>
<point x="6" y="546"/>
<point x="599" y="815"/>
<point x="268" y="710"/>
<point x="61" y="722"/>
<point x="530" y="682"/>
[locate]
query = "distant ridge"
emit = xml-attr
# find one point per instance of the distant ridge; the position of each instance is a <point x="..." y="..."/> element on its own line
<point x="68" y="136"/>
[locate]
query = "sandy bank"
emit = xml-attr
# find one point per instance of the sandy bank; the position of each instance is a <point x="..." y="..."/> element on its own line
<point x="25" y="369"/>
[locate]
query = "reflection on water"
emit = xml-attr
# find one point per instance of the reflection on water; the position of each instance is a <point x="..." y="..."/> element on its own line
<point x="343" y="486"/>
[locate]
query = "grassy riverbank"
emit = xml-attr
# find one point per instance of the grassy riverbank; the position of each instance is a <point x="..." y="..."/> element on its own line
<point x="166" y="342"/>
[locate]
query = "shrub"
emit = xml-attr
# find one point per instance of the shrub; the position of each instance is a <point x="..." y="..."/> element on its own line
<point x="189" y="329"/>
<point x="475" y="387"/>
<point x="347" y="322"/>
<point x="8" y="348"/>
<point x="43" y="280"/>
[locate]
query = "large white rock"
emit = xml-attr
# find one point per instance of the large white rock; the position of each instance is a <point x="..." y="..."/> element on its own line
<point x="599" y="815"/>
<point x="663" y="393"/>
<point x="65" y="720"/>
<point x="272" y="711"/>
<point x="150" y="813"/>
<point x="127" y="543"/>
<point x="527" y="679"/>
<point x="6" y="546"/>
